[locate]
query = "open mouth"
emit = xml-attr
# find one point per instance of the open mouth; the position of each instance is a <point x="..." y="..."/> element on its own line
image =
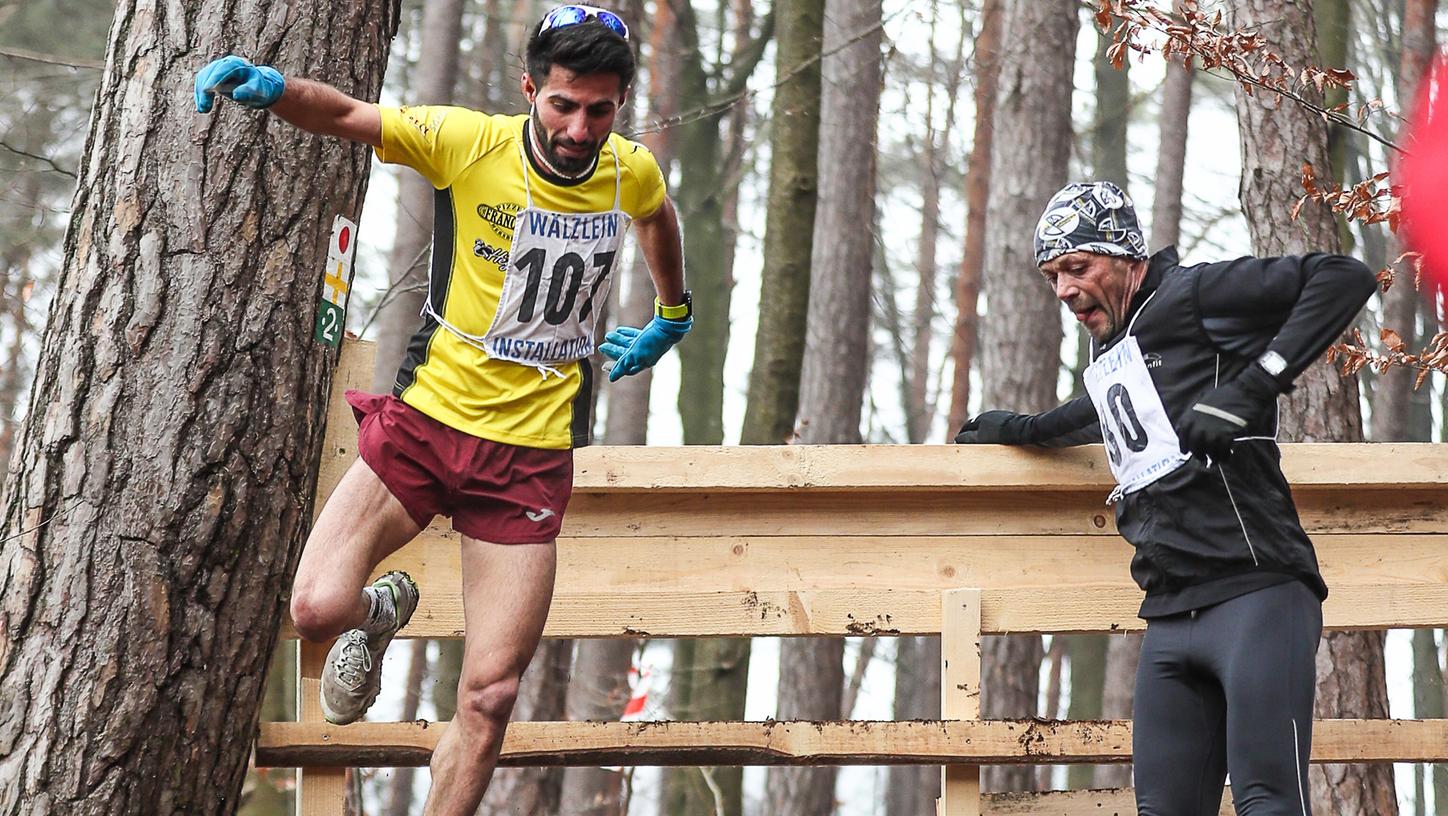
<point x="1084" y="315"/>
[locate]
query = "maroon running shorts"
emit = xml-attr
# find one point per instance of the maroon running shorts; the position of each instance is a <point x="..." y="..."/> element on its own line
<point x="495" y="492"/>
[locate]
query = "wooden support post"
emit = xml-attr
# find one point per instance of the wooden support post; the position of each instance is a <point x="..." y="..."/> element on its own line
<point x="960" y="693"/>
<point x="320" y="791"/>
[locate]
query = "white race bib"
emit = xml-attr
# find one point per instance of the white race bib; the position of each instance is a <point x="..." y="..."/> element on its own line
<point x="1141" y="443"/>
<point x="558" y="279"/>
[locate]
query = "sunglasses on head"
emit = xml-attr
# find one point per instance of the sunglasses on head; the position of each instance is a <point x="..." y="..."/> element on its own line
<point x="565" y="16"/>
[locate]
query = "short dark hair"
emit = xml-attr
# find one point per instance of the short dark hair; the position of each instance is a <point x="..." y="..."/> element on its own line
<point x="588" y="47"/>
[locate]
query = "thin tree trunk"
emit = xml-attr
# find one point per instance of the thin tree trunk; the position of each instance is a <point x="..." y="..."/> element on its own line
<point x="835" y="357"/>
<point x="433" y="81"/>
<point x="912" y="790"/>
<point x="163" y="490"/>
<point x="1171" y="157"/>
<point x="1123" y="652"/>
<point x="977" y="197"/>
<point x="399" y="789"/>
<point x="1277" y="137"/>
<point x="599" y="692"/>
<point x="710" y="677"/>
<point x="1054" y="663"/>
<point x="1428" y="704"/>
<point x="774" y="380"/>
<point x="1033" y="116"/>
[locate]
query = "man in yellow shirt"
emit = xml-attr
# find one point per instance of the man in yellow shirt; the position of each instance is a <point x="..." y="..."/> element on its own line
<point x="493" y="395"/>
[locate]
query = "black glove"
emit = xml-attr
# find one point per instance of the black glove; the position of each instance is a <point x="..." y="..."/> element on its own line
<point x="994" y="428"/>
<point x="1222" y="414"/>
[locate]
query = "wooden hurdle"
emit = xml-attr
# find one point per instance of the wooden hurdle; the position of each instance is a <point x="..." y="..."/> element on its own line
<point x="880" y="541"/>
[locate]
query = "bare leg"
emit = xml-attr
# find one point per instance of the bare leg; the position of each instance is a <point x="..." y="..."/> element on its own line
<point x="506" y="593"/>
<point x="361" y="524"/>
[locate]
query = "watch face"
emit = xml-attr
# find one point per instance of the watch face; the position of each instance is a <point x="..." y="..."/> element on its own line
<point x="1272" y="363"/>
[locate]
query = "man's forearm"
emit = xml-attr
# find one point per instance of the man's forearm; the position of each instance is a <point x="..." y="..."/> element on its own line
<point x="661" y="241"/>
<point x="319" y="108"/>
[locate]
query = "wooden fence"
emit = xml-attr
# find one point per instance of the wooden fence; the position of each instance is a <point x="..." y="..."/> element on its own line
<point x="880" y="541"/>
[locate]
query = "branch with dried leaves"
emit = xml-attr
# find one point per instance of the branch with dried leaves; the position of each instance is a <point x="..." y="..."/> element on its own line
<point x="1243" y="54"/>
<point x="1356" y="356"/>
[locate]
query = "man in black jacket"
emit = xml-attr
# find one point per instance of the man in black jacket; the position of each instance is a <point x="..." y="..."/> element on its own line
<point x="1187" y="365"/>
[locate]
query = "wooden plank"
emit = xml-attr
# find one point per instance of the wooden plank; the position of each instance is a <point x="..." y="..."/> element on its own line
<point x="961" y="467"/>
<point x="960" y="685"/>
<point x="1114" y="802"/>
<point x="952" y="513"/>
<point x="339" y="445"/>
<point x="321" y="791"/>
<point x="857" y="742"/>
<point x="1018" y="610"/>
<point x="652" y="564"/>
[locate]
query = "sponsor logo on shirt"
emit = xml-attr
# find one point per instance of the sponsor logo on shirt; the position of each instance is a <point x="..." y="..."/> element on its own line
<point x="500" y="217"/>
<point x="1153" y="360"/>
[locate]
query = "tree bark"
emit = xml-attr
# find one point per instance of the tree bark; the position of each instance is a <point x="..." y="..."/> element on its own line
<point x="836" y="350"/>
<point x="912" y="790"/>
<point x="1277" y="137"/>
<point x="599" y="692"/>
<point x="1123" y="652"/>
<point x="1171" y="157"/>
<point x="165" y="479"/>
<point x="774" y="380"/>
<point x="977" y="197"/>
<point x="399" y="788"/>
<point x="1020" y="347"/>
<point x="398" y="317"/>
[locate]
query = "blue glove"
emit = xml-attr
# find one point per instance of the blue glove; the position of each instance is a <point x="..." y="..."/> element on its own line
<point x="638" y="349"/>
<point x="255" y="86"/>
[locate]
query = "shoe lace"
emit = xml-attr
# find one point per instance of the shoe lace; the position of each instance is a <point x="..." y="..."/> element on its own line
<point x="355" y="660"/>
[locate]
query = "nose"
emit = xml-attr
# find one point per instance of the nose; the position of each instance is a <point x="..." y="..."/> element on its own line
<point x="1066" y="288"/>
<point x="577" y="129"/>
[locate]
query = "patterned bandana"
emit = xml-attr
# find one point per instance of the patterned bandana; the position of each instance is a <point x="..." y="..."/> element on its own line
<point x="1094" y="217"/>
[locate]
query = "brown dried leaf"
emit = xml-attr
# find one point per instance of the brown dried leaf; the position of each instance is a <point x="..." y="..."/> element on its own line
<point x="1393" y="341"/>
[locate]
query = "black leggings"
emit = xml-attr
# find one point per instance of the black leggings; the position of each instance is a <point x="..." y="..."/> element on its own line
<point x="1228" y="687"/>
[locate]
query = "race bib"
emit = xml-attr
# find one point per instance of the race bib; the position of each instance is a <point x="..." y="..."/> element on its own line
<point x="559" y="273"/>
<point x="1141" y="444"/>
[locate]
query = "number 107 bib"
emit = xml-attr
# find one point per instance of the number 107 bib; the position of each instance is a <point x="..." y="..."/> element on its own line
<point x="1141" y="443"/>
<point x="557" y="280"/>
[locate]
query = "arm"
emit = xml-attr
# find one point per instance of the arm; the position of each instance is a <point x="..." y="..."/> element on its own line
<point x="326" y="111"/>
<point x="1073" y="423"/>
<point x="1294" y="307"/>
<point x="1288" y="311"/>
<point x="311" y="106"/>
<point x="634" y="350"/>
<point x="662" y="243"/>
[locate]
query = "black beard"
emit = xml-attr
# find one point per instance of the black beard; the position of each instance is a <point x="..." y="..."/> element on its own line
<point x="564" y="164"/>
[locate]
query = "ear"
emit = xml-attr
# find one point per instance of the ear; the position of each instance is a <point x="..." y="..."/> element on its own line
<point x="530" y="91"/>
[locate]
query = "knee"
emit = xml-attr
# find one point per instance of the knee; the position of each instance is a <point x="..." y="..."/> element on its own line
<point x="319" y="614"/>
<point x="487" y="702"/>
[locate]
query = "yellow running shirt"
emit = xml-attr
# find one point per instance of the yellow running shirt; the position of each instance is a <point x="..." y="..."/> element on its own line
<point x="476" y="163"/>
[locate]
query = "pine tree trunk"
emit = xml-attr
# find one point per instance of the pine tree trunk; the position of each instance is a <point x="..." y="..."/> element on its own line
<point x="977" y="197"/>
<point x="1123" y="652"/>
<point x="1171" y="157"/>
<point x="913" y="789"/>
<point x="774" y="380"/>
<point x="399" y="788"/>
<point x="433" y="81"/>
<point x="836" y="354"/>
<point x="599" y="692"/>
<point x="1276" y="140"/>
<point x="1020" y="345"/>
<point x="164" y="481"/>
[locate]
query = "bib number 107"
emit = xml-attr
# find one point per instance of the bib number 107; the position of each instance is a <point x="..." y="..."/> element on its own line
<point x="564" y="285"/>
<point x="1121" y="424"/>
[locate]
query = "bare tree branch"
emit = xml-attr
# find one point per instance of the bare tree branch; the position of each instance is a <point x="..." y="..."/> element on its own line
<point x="33" y="56"/>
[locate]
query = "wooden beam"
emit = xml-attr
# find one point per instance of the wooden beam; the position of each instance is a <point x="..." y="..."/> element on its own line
<point x="1045" y="610"/>
<point x="646" y="563"/>
<point x="917" y="742"/>
<point x="1113" y="802"/>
